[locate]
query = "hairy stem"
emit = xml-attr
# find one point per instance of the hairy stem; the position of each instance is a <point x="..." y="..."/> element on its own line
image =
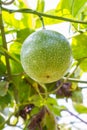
<point x="4" y="43"/>
<point x="44" y="15"/>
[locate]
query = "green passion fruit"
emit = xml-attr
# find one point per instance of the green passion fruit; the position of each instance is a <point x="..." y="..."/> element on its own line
<point x="46" y="56"/>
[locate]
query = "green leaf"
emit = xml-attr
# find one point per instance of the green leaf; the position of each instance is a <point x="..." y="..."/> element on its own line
<point x="18" y="20"/>
<point x="77" y="96"/>
<point x="1" y="120"/>
<point x="52" y="101"/>
<point x="21" y="35"/>
<point x="40" y="5"/>
<point x="3" y="88"/>
<point x="2" y="68"/>
<point x="78" y="5"/>
<point x="15" y="67"/>
<point x="62" y="5"/>
<point x="53" y="106"/>
<point x="14" y="51"/>
<point x="79" y="49"/>
<point x="36" y="100"/>
<point x="24" y="91"/>
<point x="25" y="20"/>
<point x="23" y="87"/>
<point x="80" y="108"/>
<point x="50" y="120"/>
<point x="15" y="48"/>
<point x="51" y="21"/>
<point x="11" y="21"/>
<point x="73" y="6"/>
<point x="0" y="40"/>
<point x="20" y="4"/>
<point x="56" y="109"/>
<point x="34" y="111"/>
<point x="5" y="101"/>
<point x="28" y="20"/>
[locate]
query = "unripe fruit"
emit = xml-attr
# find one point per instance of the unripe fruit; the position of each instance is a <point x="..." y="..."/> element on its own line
<point x="46" y="56"/>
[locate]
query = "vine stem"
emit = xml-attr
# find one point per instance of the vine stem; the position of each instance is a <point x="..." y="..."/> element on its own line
<point x="7" y="3"/>
<point x="72" y="114"/>
<point x="75" y="80"/>
<point x="4" y="43"/>
<point x="8" y="121"/>
<point x="43" y="14"/>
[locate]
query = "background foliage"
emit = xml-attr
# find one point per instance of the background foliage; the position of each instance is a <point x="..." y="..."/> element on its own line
<point x="21" y="98"/>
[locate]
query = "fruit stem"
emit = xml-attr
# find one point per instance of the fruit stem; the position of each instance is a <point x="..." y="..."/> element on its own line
<point x="35" y="85"/>
<point x="51" y="92"/>
<point x="42" y="21"/>
<point x="45" y="89"/>
<point x="54" y="91"/>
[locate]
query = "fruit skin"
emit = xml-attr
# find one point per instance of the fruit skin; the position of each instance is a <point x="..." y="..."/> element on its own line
<point x="46" y="56"/>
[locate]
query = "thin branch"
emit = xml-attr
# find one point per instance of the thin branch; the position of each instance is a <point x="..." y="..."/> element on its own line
<point x="70" y="74"/>
<point x="76" y="116"/>
<point x="81" y="59"/>
<point x="75" y="68"/>
<point x="43" y="14"/>
<point x="8" y="121"/>
<point x="54" y="91"/>
<point x="9" y="55"/>
<point x="75" y="80"/>
<point x="64" y="78"/>
<point x="7" y="3"/>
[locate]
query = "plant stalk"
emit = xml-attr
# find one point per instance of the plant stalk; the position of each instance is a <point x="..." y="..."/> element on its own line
<point x="4" y="44"/>
<point x="75" y="80"/>
<point x="44" y="15"/>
